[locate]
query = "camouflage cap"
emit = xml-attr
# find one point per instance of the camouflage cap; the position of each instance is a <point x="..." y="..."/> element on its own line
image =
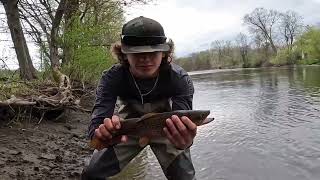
<point x="143" y="34"/>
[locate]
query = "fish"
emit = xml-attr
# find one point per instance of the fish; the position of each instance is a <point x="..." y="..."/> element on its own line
<point x="151" y="125"/>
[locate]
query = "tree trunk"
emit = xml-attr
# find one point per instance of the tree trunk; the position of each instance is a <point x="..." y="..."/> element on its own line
<point x="70" y="14"/>
<point x="59" y="77"/>
<point x="54" y="46"/>
<point x="274" y="48"/>
<point x="27" y="71"/>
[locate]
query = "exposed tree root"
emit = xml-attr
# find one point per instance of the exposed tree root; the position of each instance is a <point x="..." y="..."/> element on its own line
<point x="44" y="102"/>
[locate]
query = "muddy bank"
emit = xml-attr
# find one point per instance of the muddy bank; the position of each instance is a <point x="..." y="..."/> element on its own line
<point x="50" y="150"/>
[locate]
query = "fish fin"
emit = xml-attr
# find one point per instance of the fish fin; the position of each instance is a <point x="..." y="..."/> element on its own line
<point x="207" y="120"/>
<point x="143" y="141"/>
<point x="97" y="144"/>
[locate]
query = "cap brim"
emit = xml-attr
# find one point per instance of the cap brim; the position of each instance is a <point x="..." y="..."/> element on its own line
<point x="142" y="49"/>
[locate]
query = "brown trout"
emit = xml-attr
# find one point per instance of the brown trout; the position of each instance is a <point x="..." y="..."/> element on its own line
<point x="151" y="125"/>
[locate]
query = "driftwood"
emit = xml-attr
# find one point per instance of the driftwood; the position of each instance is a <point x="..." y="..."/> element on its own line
<point x="45" y="100"/>
<point x="15" y="101"/>
<point x="48" y="103"/>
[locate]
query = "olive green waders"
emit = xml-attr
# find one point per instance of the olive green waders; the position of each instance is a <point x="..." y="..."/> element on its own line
<point x="176" y="164"/>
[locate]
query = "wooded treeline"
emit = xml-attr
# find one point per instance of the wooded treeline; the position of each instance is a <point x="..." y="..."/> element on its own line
<point x="276" y="38"/>
<point x="73" y="35"/>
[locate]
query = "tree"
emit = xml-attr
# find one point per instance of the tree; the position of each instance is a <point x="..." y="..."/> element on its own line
<point x="218" y="45"/>
<point x="65" y="30"/>
<point x="27" y="70"/>
<point x="309" y="45"/>
<point x="262" y="21"/>
<point x="290" y="27"/>
<point x="224" y="52"/>
<point x="242" y="42"/>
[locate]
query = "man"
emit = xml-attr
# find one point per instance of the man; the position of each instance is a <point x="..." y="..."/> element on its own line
<point x="145" y="81"/>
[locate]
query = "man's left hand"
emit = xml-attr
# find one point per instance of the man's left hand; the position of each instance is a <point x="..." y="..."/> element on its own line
<point x="180" y="131"/>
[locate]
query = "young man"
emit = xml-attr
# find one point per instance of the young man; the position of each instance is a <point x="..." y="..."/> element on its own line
<point x="145" y="81"/>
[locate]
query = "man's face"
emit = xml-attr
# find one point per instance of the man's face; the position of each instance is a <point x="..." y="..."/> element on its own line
<point x="145" y="65"/>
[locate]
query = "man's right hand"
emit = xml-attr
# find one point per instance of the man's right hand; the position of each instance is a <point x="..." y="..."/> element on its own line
<point x="104" y="133"/>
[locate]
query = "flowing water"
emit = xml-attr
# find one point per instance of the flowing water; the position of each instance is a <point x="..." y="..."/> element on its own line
<point x="267" y="126"/>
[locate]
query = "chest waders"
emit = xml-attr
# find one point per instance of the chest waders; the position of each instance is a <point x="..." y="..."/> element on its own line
<point x="176" y="164"/>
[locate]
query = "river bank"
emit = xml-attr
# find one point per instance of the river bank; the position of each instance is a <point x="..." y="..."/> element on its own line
<point x="50" y="150"/>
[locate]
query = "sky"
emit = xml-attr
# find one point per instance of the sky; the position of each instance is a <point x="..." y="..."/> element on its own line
<point x="194" y="25"/>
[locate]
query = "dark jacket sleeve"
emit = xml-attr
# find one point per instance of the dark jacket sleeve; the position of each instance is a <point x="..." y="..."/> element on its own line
<point x="106" y="98"/>
<point x="182" y="100"/>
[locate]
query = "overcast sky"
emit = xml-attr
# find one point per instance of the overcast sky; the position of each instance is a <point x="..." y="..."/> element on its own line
<point x="194" y="24"/>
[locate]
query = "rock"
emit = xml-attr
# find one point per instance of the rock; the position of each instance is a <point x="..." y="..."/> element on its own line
<point x="45" y="170"/>
<point x="52" y="165"/>
<point x="30" y="158"/>
<point x="14" y="152"/>
<point x="47" y="156"/>
<point x="52" y="137"/>
<point x="68" y="126"/>
<point x="58" y="158"/>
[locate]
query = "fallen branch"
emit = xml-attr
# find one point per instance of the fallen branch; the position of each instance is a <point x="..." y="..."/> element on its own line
<point x="47" y="102"/>
<point x="15" y="101"/>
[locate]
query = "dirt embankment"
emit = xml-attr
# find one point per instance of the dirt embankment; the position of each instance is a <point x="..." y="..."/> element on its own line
<point x="50" y="150"/>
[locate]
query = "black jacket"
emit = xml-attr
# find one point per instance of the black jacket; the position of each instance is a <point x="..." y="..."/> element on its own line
<point x="173" y="83"/>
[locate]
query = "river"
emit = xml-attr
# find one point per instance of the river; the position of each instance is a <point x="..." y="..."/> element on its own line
<point x="267" y="126"/>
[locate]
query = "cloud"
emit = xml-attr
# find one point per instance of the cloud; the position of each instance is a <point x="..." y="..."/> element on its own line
<point x="194" y="24"/>
<point x="308" y="9"/>
<point x="186" y="25"/>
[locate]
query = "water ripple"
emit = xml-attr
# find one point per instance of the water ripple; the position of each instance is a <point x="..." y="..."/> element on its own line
<point x="267" y="126"/>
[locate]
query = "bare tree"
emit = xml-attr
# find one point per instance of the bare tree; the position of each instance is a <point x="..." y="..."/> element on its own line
<point x="37" y="23"/>
<point x="44" y="19"/>
<point x="27" y="70"/>
<point x="262" y="21"/>
<point x="53" y="46"/>
<point x="222" y="52"/>
<point x="71" y="12"/>
<point x="218" y="46"/>
<point x="290" y="27"/>
<point x="48" y="20"/>
<point x="243" y="45"/>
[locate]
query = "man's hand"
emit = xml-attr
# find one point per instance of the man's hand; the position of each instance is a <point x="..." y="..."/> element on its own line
<point x="105" y="130"/>
<point x="180" y="131"/>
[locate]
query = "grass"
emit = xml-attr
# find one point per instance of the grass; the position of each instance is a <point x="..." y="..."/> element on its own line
<point x="10" y="84"/>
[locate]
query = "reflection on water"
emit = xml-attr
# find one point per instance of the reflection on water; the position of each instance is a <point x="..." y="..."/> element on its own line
<point x="267" y="126"/>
